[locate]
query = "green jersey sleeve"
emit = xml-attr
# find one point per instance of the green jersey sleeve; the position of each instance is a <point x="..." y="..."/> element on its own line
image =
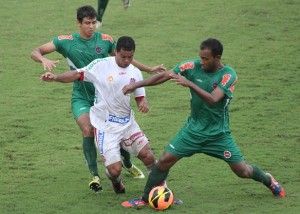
<point x="227" y="82"/>
<point x="61" y="43"/>
<point x="184" y="68"/>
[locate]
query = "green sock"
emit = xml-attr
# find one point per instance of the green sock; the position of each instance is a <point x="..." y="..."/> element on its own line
<point x="126" y="158"/>
<point x="101" y="9"/>
<point x="260" y="176"/>
<point x="155" y="178"/>
<point x="90" y="154"/>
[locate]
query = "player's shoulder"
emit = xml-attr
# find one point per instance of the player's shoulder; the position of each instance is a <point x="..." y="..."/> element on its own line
<point x="188" y="64"/>
<point x="229" y="69"/>
<point x="105" y="37"/>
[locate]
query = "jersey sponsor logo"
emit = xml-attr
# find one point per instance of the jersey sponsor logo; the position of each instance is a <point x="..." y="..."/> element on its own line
<point x="107" y="37"/>
<point x="186" y="66"/>
<point x="225" y="79"/>
<point x="98" y="50"/>
<point x="65" y="37"/>
<point x="227" y="154"/>
<point x="91" y="65"/>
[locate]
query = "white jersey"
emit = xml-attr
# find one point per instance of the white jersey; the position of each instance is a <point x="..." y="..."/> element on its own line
<point x="109" y="79"/>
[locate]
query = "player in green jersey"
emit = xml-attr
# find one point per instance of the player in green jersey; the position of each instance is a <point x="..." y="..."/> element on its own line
<point x="80" y="49"/>
<point x="102" y="4"/>
<point x="207" y="131"/>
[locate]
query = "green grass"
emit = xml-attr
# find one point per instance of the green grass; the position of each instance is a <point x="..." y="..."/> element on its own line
<point x="41" y="162"/>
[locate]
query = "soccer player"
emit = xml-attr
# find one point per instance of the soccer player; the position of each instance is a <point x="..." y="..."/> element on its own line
<point x="111" y="114"/>
<point x="102" y="4"/>
<point x="211" y="85"/>
<point x="80" y="49"/>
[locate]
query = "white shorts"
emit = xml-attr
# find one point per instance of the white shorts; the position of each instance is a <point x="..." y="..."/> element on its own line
<point x="113" y="136"/>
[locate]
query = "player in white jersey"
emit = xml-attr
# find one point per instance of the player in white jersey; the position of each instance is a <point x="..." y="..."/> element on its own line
<point x="111" y="114"/>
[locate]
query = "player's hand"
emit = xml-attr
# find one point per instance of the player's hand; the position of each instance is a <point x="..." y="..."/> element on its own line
<point x="158" y="69"/>
<point x="143" y="105"/>
<point x="127" y="89"/>
<point x="179" y="80"/>
<point x="48" y="64"/>
<point x="48" y="77"/>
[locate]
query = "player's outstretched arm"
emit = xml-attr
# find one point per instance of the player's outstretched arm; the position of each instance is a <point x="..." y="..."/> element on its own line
<point x="69" y="76"/>
<point x="153" y="80"/>
<point x="148" y="69"/>
<point x="211" y="98"/>
<point x="38" y="55"/>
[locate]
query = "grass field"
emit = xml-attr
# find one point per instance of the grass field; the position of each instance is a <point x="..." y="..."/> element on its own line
<point x="41" y="163"/>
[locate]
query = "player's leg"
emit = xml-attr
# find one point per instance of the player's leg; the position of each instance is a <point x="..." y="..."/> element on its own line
<point x="89" y="150"/>
<point x="225" y="148"/>
<point x="102" y="4"/>
<point x="244" y="170"/>
<point x="126" y="3"/>
<point x="109" y="149"/>
<point x="132" y="169"/>
<point x="80" y="110"/>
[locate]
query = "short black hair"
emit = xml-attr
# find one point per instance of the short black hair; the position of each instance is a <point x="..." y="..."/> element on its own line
<point x="86" y="11"/>
<point x="126" y="43"/>
<point x="214" y="45"/>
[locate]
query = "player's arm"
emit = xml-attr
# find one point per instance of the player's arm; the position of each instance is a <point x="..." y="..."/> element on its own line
<point x="142" y="104"/>
<point x="211" y="98"/>
<point x="38" y="55"/>
<point x="148" y="69"/>
<point x="69" y="76"/>
<point x="153" y="80"/>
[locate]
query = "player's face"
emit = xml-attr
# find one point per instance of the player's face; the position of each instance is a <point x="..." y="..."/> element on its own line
<point x="124" y="58"/>
<point x="87" y="27"/>
<point x="208" y="61"/>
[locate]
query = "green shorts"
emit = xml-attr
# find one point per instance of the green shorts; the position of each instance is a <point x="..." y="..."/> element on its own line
<point x="80" y="106"/>
<point x="222" y="146"/>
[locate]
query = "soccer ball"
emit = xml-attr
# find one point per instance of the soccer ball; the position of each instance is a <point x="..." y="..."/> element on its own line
<point x="160" y="198"/>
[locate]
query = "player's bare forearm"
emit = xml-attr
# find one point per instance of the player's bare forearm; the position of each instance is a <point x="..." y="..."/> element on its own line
<point x="154" y="80"/>
<point x="211" y="98"/>
<point x="67" y="77"/>
<point x="142" y="104"/>
<point x="148" y="69"/>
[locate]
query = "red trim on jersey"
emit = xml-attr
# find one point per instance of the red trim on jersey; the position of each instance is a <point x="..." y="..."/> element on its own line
<point x="81" y="78"/>
<point x="139" y="98"/>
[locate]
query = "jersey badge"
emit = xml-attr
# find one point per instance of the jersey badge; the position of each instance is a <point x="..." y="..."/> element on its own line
<point x="132" y="80"/>
<point x="110" y="78"/>
<point x="227" y="154"/>
<point x="98" y="50"/>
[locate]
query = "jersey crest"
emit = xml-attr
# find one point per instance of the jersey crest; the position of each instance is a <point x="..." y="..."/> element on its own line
<point x="186" y="66"/>
<point x="65" y="37"/>
<point x="107" y="37"/>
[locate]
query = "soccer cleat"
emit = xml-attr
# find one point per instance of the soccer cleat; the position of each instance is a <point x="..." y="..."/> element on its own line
<point x="119" y="187"/>
<point x="126" y="4"/>
<point x="135" y="172"/>
<point x="95" y="184"/>
<point x="276" y="188"/>
<point x="134" y="203"/>
<point x="139" y="203"/>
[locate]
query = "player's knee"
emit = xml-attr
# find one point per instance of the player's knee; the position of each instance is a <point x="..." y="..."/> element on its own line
<point x="243" y="172"/>
<point x="146" y="156"/>
<point x="115" y="171"/>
